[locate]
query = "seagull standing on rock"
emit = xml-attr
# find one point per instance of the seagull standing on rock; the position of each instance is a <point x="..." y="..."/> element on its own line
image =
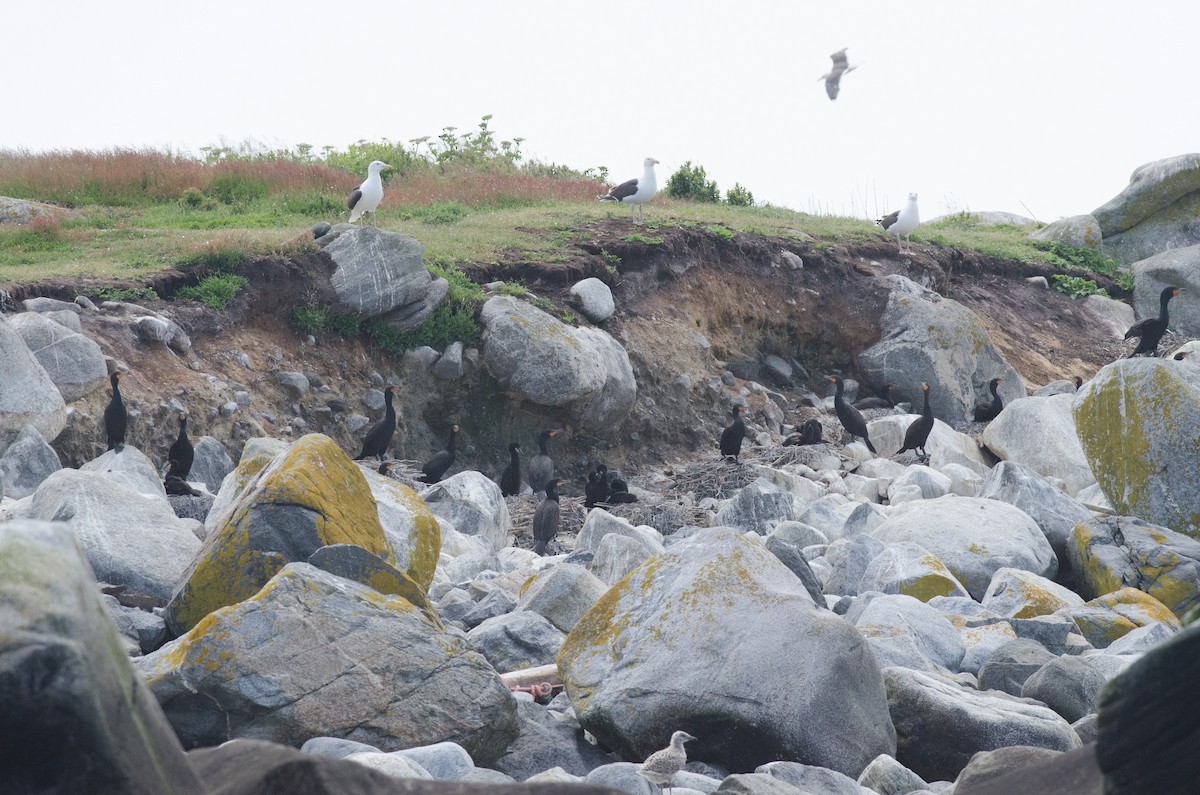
<point x="367" y="196"/>
<point x="661" y="766"/>
<point x="902" y="222"/>
<point x="636" y="192"/>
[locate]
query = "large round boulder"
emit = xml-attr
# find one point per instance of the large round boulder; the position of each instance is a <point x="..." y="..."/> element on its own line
<point x="378" y="272"/>
<point x="1176" y="267"/>
<point x="1156" y="212"/>
<point x="717" y="637"/>
<point x="27" y="394"/>
<point x="1039" y="432"/>
<point x="74" y="363"/>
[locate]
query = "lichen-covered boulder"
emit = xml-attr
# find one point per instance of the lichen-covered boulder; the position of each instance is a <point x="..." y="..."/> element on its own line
<point x="1022" y="594"/>
<point x="930" y="339"/>
<point x="314" y="654"/>
<point x="538" y="357"/>
<point x="257" y="454"/>
<point x="74" y="363"/>
<point x="758" y="507"/>
<point x="1156" y="212"/>
<point x="908" y="568"/>
<point x="77" y="717"/>
<point x="309" y="496"/>
<point x="412" y="530"/>
<point x="907" y="632"/>
<point x="473" y="504"/>
<point x="696" y="639"/>
<point x="562" y="594"/>
<point x="1039" y="432"/>
<point x="973" y="537"/>
<point x="1081" y="231"/>
<point x="1055" y="513"/>
<point x="27" y="395"/>
<point x="1117" y="551"/>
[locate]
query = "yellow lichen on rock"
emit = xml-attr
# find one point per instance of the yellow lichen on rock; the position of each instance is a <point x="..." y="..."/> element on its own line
<point x="1139" y="607"/>
<point x="427" y="543"/>
<point x="935" y="583"/>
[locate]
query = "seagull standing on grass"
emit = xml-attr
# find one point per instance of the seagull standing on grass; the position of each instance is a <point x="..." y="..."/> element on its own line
<point x="367" y="196"/>
<point x="833" y="78"/>
<point x="636" y="192"/>
<point x="902" y="222"/>
<point x="661" y="766"/>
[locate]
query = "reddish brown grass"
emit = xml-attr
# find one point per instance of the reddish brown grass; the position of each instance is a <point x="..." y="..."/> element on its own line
<point x="484" y="187"/>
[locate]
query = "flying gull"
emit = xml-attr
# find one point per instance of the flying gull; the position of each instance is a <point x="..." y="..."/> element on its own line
<point x="902" y="222"/>
<point x="635" y="192"/>
<point x="367" y="196"/>
<point x="833" y="79"/>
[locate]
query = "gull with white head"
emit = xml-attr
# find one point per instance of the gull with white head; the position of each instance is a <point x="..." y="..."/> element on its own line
<point x="636" y="192"/>
<point x="367" y="196"/>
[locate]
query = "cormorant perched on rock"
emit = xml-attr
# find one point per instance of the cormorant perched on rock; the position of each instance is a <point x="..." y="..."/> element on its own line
<point x="618" y="489"/>
<point x="1152" y="329"/>
<point x="510" y="479"/>
<point x="918" y="431"/>
<point x="545" y="517"/>
<point x="541" y="466"/>
<point x="442" y="460"/>
<point x="173" y="484"/>
<point x="884" y="401"/>
<point x="596" y="489"/>
<point x="115" y="419"/>
<point x="734" y="433"/>
<point x="988" y="412"/>
<point x="1179" y="357"/>
<point x="1078" y="382"/>
<point x="810" y="433"/>
<point x="661" y="766"/>
<point x="380" y="436"/>
<point x="181" y="453"/>
<point x="851" y="420"/>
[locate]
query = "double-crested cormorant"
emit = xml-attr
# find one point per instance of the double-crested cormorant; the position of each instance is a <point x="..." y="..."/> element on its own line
<point x="1151" y="330"/>
<point x="988" y="412"/>
<point x="442" y="460"/>
<point x="918" y="431"/>
<point x="380" y="436"/>
<point x="181" y="453"/>
<point x="545" y="517"/>
<point x="618" y="489"/>
<point x="541" y="466"/>
<point x="734" y="433"/>
<point x="510" y="478"/>
<point x="810" y="433"/>
<point x="596" y="489"/>
<point x="661" y="766"/>
<point x="851" y="420"/>
<point x="115" y="419"/>
<point x="884" y="401"/>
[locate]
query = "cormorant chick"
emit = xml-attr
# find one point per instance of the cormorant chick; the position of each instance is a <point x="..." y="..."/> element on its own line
<point x="510" y="479"/>
<point x="545" y="517"/>
<point x="734" y="433"/>
<point x="810" y="433"/>
<point x="851" y="420"/>
<point x="596" y="489"/>
<point x="541" y="466"/>
<point x="990" y="411"/>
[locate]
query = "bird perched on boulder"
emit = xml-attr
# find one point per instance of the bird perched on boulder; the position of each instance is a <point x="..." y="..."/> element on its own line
<point x="661" y="766"/>
<point x="541" y="466"/>
<point x="636" y="192"/>
<point x="116" y="420"/>
<point x="989" y="411"/>
<point x="851" y="420"/>
<point x="833" y="78"/>
<point x="918" y="431"/>
<point x="1151" y="330"/>
<point x="380" y="436"/>
<point x="181" y="453"/>
<point x="367" y="196"/>
<point x="441" y="461"/>
<point x="734" y="433"/>
<point x="510" y="479"/>
<point x="545" y="517"/>
<point x="902" y="222"/>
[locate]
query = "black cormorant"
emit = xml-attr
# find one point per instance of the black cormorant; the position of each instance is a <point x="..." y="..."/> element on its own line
<point x="884" y="401"/>
<point x="596" y="489"/>
<point x="181" y="453"/>
<point x="851" y="420"/>
<point x="1078" y="383"/>
<point x="115" y="419"/>
<point x="734" y="433"/>
<point x="442" y="460"/>
<point x="176" y="485"/>
<point x="918" y="431"/>
<point x="510" y="479"/>
<point x="809" y="433"/>
<point x="380" y="436"/>
<point x="989" y="411"/>
<point x="545" y="518"/>
<point x="1151" y="330"/>
<point x="541" y="466"/>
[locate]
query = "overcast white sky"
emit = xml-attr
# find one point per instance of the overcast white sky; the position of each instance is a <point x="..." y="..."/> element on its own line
<point x="1040" y="104"/>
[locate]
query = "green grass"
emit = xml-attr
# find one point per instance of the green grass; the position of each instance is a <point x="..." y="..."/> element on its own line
<point x="215" y="291"/>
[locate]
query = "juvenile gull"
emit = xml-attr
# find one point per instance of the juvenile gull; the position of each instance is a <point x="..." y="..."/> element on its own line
<point x="661" y="766"/>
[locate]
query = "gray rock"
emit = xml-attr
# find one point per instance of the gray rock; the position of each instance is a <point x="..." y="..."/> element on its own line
<point x="1081" y="231"/>
<point x="412" y="316"/>
<point x="791" y="556"/>
<point x="887" y="776"/>
<point x="26" y="463"/>
<point x="294" y="385"/>
<point x="450" y="364"/>
<point x="27" y="395"/>
<point x="378" y="272"/>
<point x="595" y="299"/>
<point x="152" y="328"/>
<point x="758" y="507"/>
<point x="42" y="304"/>
<point x="145" y="630"/>
<point x="562" y="594"/>
<point x="211" y="463"/>
<point x="1055" y="513"/>
<point x="1039" y="432"/>
<point x="622" y="776"/>
<point x="513" y="641"/>
<point x="908" y="568"/>
<point x="1155" y="212"/>
<point x="315" y="654"/>
<point x="418" y="360"/>
<point x="930" y="339"/>
<point x="473" y="504"/>
<point x="84" y="302"/>
<point x="757" y="784"/>
<point x="391" y="765"/>
<point x="626" y="683"/>
<point x="545" y="742"/>
<point x="848" y="559"/>
<point x="987" y="765"/>
<point x="496" y="603"/>
<point x="445" y="761"/>
<point x="584" y="371"/>
<point x="1069" y="685"/>
<point x="778" y="367"/>
<point x="810" y="778"/>
<point x="192" y="507"/>
<point x="617" y="555"/>
<point x="77" y="717"/>
<point x="74" y="363"/>
<point x="1176" y="267"/>
<point x="940" y="726"/>
<point x="129" y="468"/>
<point x="129" y="539"/>
<point x="906" y="632"/>
<point x="600" y="523"/>
<point x="1112" y="316"/>
<point x="335" y="747"/>
<point x="68" y="320"/>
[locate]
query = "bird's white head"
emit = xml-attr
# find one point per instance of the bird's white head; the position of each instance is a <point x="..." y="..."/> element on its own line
<point x="649" y="162"/>
<point x="377" y="166"/>
<point x="912" y="197"/>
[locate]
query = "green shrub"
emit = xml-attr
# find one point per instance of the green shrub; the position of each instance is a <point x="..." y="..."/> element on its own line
<point x="130" y="294"/>
<point x="215" y="291"/>
<point x="719" y="231"/>
<point x="233" y="188"/>
<point x="446" y="324"/>
<point x="1080" y="257"/>
<point x="310" y="319"/>
<point x="644" y="240"/>
<point x="224" y="259"/>
<point x="192" y="199"/>
<point x="463" y="291"/>
<point x="1076" y="286"/>
<point x="347" y="324"/>
<point x="692" y="183"/>
<point x="739" y="196"/>
<point x="515" y="289"/>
